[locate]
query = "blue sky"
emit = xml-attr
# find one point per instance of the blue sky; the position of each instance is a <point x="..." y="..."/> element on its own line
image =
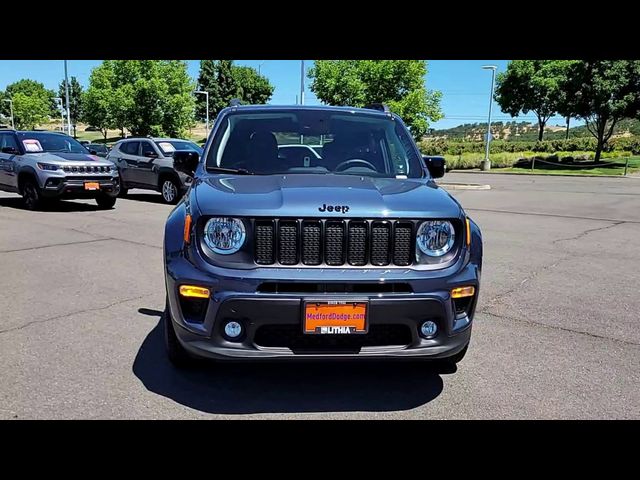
<point x="464" y="84"/>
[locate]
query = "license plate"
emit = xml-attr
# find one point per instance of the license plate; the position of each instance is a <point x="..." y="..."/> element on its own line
<point x="91" y="186"/>
<point x="335" y="317"/>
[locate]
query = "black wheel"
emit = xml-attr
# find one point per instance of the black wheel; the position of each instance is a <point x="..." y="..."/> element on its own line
<point x="122" y="191"/>
<point x="31" y="195"/>
<point x="176" y="352"/>
<point x="105" y="201"/>
<point x="170" y="191"/>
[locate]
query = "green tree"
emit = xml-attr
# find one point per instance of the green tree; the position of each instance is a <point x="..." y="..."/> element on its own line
<point x="98" y="99"/>
<point x="531" y="85"/>
<point x="75" y="100"/>
<point x="32" y="103"/>
<point x="398" y="83"/>
<point x="602" y="92"/>
<point x="208" y="82"/>
<point x="148" y="97"/>
<point x="225" y="81"/>
<point x="252" y="88"/>
<point x="216" y="77"/>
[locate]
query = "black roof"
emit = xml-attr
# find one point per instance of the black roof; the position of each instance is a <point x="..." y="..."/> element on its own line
<point x="366" y="111"/>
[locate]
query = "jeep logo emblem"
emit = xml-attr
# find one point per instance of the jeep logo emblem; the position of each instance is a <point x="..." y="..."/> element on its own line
<point x="333" y="208"/>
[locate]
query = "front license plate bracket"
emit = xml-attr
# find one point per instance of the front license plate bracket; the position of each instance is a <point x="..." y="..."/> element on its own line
<point x="335" y="317"/>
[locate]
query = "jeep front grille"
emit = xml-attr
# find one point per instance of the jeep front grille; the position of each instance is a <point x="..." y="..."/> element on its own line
<point x="334" y="242"/>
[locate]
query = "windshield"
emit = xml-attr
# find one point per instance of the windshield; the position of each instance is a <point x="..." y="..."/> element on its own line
<point x="50" y="142"/>
<point x="170" y="146"/>
<point x="315" y="142"/>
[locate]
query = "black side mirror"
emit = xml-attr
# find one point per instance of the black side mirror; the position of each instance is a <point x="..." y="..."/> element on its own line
<point x="151" y="154"/>
<point x="93" y="152"/>
<point x="435" y="165"/>
<point x="186" y="162"/>
<point x="10" y="150"/>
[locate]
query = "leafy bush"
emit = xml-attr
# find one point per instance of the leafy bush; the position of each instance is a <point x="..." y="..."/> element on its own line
<point x="441" y="146"/>
<point x="468" y="160"/>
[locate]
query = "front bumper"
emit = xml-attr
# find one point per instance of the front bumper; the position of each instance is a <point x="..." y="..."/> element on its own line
<point x="237" y="295"/>
<point x="74" y="187"/>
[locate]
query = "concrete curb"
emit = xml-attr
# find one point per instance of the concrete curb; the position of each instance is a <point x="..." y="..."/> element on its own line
<point x="464" y="186"/>
<point x="542" y="174"/>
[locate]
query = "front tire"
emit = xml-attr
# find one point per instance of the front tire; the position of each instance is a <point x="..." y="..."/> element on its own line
<point x="105" y="202"/>
<point x="170" y="191"/>
<point x="178" y="356"/>
<point x="31" y="195"/>
<point x="122" y="191"/>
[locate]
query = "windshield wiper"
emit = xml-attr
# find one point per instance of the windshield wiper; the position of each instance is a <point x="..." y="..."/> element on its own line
<point x="237" y="171"/>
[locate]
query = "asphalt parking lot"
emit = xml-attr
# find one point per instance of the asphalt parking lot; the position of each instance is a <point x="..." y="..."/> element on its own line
<point x="556" y="335"/>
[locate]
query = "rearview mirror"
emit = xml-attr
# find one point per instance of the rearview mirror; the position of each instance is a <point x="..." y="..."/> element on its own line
<point x="186" y="162"/>
<point x="10" y="150"/>
<point x="151" y="154"/>
<point x="435" y="165"/>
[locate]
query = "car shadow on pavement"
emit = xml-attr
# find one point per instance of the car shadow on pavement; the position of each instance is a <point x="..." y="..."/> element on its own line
<point x="145" y="197"/>
<point x="55" y="206"/>
<point x="291" y="387"/>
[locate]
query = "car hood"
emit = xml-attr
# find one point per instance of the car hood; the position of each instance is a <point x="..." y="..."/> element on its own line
<point x="70" y="158"/>
<point x="311" y="195"/>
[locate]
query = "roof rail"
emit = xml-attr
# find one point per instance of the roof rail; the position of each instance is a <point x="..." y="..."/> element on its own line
<point x="235" y="102"/>
<point x="378" y="106"/>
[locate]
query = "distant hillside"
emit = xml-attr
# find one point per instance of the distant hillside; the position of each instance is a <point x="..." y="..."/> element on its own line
<point x="525" y="131"/>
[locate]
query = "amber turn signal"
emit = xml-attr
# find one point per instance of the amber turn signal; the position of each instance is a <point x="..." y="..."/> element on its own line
<point x="462" y="292"/>
<point x="468" y="231"/>
<point x="187" y="228"/>
<point x="193" y="291"/>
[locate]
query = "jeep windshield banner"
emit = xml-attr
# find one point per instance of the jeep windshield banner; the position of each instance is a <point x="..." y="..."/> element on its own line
<point x="32" y="145"/>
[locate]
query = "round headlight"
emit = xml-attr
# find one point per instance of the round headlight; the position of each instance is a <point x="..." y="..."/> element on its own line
<point x="224" y="235"/>
<point x="435" y="237"/>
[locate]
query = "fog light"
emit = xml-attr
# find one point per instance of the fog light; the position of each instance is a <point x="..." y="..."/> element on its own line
<point x="428" y="329"/>
<point x="232" y="330"/>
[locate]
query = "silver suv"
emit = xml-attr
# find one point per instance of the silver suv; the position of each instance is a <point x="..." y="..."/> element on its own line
<point x="43" y="166"/>
<point x="148" y="163"/>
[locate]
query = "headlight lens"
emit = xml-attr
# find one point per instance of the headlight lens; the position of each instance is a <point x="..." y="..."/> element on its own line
<point x="435" y="237"/>
<point x="224" y="235"/>
<point x="47" y="166"/>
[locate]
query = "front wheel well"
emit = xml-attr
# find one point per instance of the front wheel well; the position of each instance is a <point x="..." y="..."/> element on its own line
<point x="23" y="177"/>
<point x="169" y="176"/>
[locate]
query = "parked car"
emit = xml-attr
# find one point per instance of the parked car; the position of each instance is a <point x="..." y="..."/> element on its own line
<point x="148" y="163"/>
<point x="100" y="149"/>
<point x="354" y="253"/>
<point x="43" y="166"/>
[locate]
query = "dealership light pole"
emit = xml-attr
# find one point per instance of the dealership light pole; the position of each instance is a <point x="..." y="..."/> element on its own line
<point x="59" y="102"/>
<point x="486" y="164"/>
<point x="206" y="94"/>
<point x="13" y="125"/>
<point x="302" y="82"/>
<point x="260" y="66"/>
<point x="66" y="93"/>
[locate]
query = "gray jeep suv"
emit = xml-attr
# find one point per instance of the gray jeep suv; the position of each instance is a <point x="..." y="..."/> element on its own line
<point x="43" y="166"/>
<point x="148" y="163"/>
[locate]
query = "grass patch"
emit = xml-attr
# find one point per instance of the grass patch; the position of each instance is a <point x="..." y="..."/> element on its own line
<point x="615" y="167"/>
<point x="521" y="161"/>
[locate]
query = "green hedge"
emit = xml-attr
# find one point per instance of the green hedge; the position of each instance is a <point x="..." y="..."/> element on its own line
<point x="509" y="159"/>
<point x="442" y="146"/>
